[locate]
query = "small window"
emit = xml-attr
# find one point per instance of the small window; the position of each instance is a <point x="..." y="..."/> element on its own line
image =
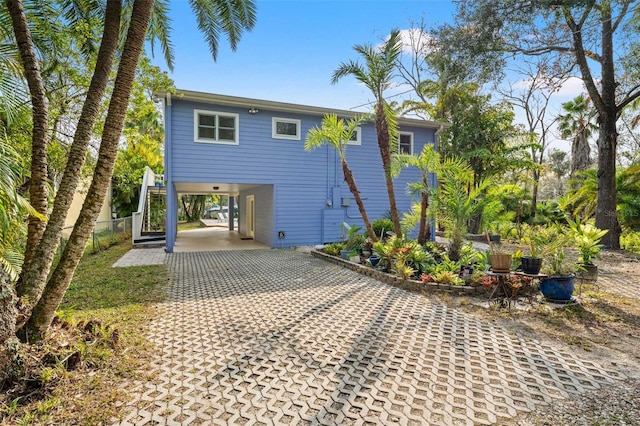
<point x="356" y="137"/>
<point x="405" y="143"/>
<point x="285" y="128"/>
<point x="215" y="127"/>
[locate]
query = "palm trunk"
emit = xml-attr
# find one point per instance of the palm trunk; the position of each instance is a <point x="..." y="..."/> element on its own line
<point x="40" y="112"/>
<point x="36" y="269"/>
<point x="53" y="293"/>
<point x="8" y="314"/>
<point x="382" y="127"/>
<point x="351" y="183"/>
<point x="424" y="232"/>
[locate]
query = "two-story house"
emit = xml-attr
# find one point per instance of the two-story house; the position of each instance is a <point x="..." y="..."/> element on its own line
<point x="253" y="150"/>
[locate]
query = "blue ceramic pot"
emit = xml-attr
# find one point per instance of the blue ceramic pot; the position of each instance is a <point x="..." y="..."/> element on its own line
<point x="558" y="289"/>
<point x="374" y="260"/>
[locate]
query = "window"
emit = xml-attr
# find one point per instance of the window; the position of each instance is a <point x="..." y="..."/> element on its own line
<point x="405" y="143"/>
<point x="356" y="137"/>
<point x="215" y="127"/>
<point x="285" y="128"/>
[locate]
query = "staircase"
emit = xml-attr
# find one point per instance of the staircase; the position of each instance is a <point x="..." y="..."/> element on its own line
<point x="149" y="220"/>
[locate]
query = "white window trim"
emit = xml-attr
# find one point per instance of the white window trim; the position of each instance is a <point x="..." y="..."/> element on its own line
<point x="358" y="140"/>
<point x="405" y="133"/>
<point x="198" y="112"/>
<point x="275" y="120"/>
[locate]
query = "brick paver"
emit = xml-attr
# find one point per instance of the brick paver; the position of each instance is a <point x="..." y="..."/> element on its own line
<point x="279" y="337"/>
<point x="142" y="257"/>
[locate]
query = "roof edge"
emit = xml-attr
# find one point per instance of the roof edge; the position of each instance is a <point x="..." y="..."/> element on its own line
<point x="238" y="101"/>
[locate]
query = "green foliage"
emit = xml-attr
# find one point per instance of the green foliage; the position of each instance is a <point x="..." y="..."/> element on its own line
<point x="630" y="241"/>
<point x="587" y="239"/>
<point x="459" y="198"/>
<point x="580" y="201"/>
<point x="334" y="248"/>
<point x="381" y="225"/>
<point x="558" y="265"/>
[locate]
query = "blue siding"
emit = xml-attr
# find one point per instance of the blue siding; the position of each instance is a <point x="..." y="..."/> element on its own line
<point x="300" y="189"/>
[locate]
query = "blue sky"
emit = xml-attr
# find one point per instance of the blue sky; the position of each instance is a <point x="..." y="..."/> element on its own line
<point x="293" y="49"/>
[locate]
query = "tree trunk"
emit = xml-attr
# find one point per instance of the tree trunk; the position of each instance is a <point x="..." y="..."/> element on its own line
<point x="53" y="293"/>
<point x="606" y="205"/>
<point x="382" y="127"/>
<point x="351" y="183"/>
<point x="534" y="193"/>
<point x="36" y="269"/>
<point x="8" y="314"/>
<point x="40" y="112"/>
<point x="424" y="231"/>
<point x="580" y="153"/>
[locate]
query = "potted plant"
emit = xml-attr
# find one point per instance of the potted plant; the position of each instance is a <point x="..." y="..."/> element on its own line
<point x="558" y="286"/>
<point x="539" y="245"/>
<point x="500" y="261"/>
<point x="587" y="241"/>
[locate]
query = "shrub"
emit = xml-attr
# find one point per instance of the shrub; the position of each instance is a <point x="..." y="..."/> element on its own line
<point x="334" y="249"/>
<point x="380" y="225"/>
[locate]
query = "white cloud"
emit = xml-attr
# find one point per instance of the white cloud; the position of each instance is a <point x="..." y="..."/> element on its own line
<point x="413" y="39"/>
<point x="572" y="88"/>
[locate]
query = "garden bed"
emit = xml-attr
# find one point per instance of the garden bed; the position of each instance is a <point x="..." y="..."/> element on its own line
<point x="405" y="284"/>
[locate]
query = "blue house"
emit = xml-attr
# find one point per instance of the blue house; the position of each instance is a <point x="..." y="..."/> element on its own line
<point x="253" y="150"/>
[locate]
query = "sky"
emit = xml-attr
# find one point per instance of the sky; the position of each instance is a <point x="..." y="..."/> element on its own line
<point x="296" y="45"/>
<point x="293" y="49"/>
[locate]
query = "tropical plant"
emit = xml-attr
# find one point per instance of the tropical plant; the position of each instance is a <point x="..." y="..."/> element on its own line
<point x="587" y="240"/>
<point x="577" y="124"/>
<point x="426" y="162"/>
<point x="558" y="265"/>
<point x="458" y="199"/>
<point x="382" y="225"/>
<point x="376" y="74"/>
<point x="337" y="133"/>
<point x="334" y="248"/>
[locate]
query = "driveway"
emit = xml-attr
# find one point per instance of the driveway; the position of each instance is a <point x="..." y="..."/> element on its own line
<point x="279" y="337"/>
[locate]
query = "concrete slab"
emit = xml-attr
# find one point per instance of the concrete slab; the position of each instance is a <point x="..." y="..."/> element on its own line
<point x="141" y="257"/>
<point x="213" y="239"/>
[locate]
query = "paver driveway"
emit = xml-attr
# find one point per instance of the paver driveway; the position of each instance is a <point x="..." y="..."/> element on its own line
<point x="280" y="337"/>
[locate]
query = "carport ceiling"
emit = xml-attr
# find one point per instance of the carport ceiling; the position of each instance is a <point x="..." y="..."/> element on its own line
<point x="207" y="188"/>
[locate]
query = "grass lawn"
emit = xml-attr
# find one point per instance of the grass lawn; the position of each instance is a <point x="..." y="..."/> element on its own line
<point x="185" y="226"/>
<point x="78" y="375"/>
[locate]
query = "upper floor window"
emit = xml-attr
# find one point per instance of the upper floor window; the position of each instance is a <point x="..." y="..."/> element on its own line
<point x="405" y="143"/>
<point x="285" y="128"/>
<point x="356" y="137"/>
<point x="215" y="127"/>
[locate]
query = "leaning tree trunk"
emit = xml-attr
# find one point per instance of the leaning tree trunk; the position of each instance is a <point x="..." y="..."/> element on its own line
<point x="424" y="231"/>
<point x="40" y="112"/>
<point x="36" y="269"/>
<point x="382" y="127"/>
<point x="8" y="313"/>
<point x="351" y="183"/>
<point x="53" y="293"/>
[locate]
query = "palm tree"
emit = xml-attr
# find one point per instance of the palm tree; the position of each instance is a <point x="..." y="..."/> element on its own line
<point x="376" y="74"/>
<point x="577" y="124"/>
<point x="459" y="199"/>
<point x="337" y="133"/>
<point x="214" y="17"/>
<point x="427" y="162"/>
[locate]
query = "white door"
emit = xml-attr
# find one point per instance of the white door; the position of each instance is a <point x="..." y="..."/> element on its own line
<point x="251" y="218"/>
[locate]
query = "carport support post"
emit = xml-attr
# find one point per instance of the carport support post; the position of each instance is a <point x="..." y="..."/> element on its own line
<point x="232" y="212"/>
